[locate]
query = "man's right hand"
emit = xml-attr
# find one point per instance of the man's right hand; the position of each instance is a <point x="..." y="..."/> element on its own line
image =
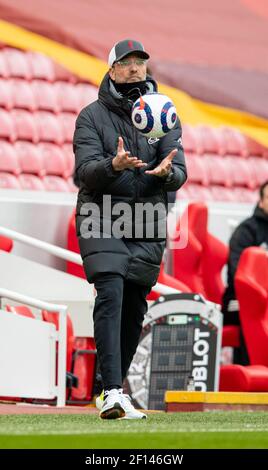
<point x="123" y="159"/>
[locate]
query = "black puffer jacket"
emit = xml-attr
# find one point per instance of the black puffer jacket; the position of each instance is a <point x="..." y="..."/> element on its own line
<point x="251" y="232"/>
<point x="98" y="128"/>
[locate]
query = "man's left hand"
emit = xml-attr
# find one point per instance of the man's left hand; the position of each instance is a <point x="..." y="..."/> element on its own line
<point x="163" y="169"/>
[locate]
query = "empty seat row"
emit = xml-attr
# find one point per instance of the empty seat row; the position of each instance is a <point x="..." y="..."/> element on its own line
<point x="31" y="65"/>
<point x="191" y="192"/>
<point x="33" y="182"/>
<point x="19" y="124"/>
<point x="42" y="95"/>
<point x="228" y="171"/>
<point x="221" y="140"/>
<point x="42" y="159"/>
<point x="197" y="192"/>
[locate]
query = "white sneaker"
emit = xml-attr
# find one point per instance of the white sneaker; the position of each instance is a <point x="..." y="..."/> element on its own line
<point x="125" y="400"/>
<point x="111" y="406"/>
<point x="100" y="400"/>
<point x="130" y="411"/>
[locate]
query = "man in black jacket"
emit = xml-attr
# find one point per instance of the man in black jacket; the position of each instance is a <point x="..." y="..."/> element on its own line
<point x="251" y="232"/>
<point x="117" y="168"/>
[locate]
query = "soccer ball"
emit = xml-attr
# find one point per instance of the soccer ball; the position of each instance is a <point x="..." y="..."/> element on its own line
<point x="154" y="115"/>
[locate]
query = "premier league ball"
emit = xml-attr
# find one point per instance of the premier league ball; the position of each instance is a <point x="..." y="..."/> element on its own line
<point x="154" y="115"/>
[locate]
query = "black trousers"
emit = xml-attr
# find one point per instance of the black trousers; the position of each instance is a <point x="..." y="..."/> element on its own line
<point x="118" y="315"/>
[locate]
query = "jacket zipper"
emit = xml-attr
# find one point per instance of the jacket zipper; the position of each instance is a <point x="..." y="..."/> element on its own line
<point x="136" y="170"/>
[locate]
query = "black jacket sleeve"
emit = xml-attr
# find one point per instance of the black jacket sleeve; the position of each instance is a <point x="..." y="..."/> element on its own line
<point x="93" y="166"/>
<point x="243" y="237"/>
<point x="179" y="173"/>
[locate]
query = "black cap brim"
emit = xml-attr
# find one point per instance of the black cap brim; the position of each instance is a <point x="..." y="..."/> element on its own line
<point x="142" y="54"/>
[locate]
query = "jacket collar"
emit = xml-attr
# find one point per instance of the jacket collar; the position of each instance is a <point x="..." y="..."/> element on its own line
<point x="260" y="214"/>
<point x="114" y="101"/>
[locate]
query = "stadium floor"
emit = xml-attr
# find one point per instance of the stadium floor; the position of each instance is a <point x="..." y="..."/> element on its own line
<point x="209" y="430"/>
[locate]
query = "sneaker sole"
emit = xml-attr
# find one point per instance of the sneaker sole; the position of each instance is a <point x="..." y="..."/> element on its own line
<point x="132" y="417"/>
<point x="113" y="413"/>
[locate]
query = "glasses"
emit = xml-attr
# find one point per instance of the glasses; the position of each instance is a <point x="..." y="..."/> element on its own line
<point x="128" y="62"/>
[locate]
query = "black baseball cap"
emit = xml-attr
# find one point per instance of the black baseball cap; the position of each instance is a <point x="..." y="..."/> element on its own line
<point x="123" y="48"/>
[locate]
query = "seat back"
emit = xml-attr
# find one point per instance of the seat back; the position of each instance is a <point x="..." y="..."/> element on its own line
<point x="20" y="310"/>
<point x="6" y="244"/>
<point x="72" y="244"/>
<point x="199" y="264"/>
<point x="53" y="317"/>
<point x="251" y="285"/>
<point x="84" y="367"/>
<point x="169" y="281"/>
<point x="215" y="256"/>
<point x="187" y="261"/>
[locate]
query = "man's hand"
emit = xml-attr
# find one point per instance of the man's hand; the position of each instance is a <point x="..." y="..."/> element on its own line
<point x="163" y="169"/>
<point x="123" y="159"/>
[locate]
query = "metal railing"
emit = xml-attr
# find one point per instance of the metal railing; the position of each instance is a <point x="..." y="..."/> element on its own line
<point x="67" y="255"/>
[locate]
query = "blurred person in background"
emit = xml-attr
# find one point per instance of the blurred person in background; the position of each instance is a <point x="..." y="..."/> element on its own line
<point x="251" y="232"/>
<point x="113" y="159"/>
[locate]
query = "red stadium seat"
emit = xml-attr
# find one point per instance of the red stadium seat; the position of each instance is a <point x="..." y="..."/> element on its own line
<point x="258" y="168"/>
<point x="80" y="359"/>
<point x="62" y="74"/>
<point x="30" y="158"/>
<point x="197" y="172"/>
<point x="45" y="96"/>
<point x="49" y="128"/>
<point x="237" y="378"/>
<point x="53" y="317"/>
<point x="255" y="148"/>
<point x="209" y="140"/>
<point x="8" y="158"/>
<point x="6" y="96"/>
<point x="240" y="172"/>
<point x="189" y="139"/>
<point x="55" y="183"/>
<point x="31" y="182"/>
<point x="6" y="244"/>
<point x="199" y="193"/>
<point x="25" y="125"/>
<point x="67" y="97"/>
<point x="191" y="228"/>
<point x="7" y="126"/>
<point x="69" y="157"/>
<point x="72" y="245"/>
<point x="84" y="367"/>
<point x="87" y="94"/>
<point x="236" y="143"/>
<point x="67" y="121"/>
<point x="214" y="258"/>
<point x="223" y="194"/>
<point x="231" y="336"/>
<point x="4" y="68"/>
<point x="251" y="285"/>
<point x="218" y="170"/>
<point x="198" y="262"/>
<point x="54" y="160"/>
<point x="169" y="281"/>
<point x="182" y="194"/>
<point x="23" y="96"/>
<point x="20" y="310"/>
<point x="245" y="195"/>
<point x="42" y="67"/>
<point x="8" y="181"/>
<point x="17" y="63"/>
